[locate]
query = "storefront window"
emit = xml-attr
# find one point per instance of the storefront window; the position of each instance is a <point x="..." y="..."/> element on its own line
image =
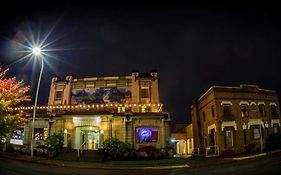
<point x="40" y="133"/>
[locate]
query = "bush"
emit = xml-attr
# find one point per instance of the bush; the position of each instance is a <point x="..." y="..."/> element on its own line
<point x="116" y="148"/>
<point x="147" y="149"/>
<point x="273" y="142"/>
<point x="54" y="144"/>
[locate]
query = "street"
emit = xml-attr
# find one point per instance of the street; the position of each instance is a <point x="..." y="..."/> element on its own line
<point x="263" y="165"/>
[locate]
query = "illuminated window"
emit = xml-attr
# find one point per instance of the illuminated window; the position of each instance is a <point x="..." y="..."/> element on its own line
<point x="144" y="93"/>
<point x="40" y="133"/>
<point x="244" y="110"/>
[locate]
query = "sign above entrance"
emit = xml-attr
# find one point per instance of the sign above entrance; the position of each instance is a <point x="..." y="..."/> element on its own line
<point x="83" y="121"/>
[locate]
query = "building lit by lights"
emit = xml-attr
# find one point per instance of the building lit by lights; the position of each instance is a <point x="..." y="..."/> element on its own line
<point x="234" y="119"/>
<point x="91" y="110"/>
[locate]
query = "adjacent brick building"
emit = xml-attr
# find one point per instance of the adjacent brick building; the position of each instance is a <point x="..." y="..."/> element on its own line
<point x="230" y="118"/>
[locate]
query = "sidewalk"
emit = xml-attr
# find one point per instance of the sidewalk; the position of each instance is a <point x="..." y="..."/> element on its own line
<point x="117" y="165"/>
<point x="140" y="164"/>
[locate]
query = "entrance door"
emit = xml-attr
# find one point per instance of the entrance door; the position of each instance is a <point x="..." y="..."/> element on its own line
<point x="90" y="139"/>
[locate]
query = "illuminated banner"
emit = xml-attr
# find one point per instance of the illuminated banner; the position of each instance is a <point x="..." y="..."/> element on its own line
<point x="146" y="135"/>
<point x="101" y="95"/>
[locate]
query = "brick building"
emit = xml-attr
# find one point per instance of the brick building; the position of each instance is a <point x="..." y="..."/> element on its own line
<point x="230" y="118"/>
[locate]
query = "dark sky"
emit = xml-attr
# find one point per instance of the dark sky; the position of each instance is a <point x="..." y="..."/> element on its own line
<point x="193" y="45"/>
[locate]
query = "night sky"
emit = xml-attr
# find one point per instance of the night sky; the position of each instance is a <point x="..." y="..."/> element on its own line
<point x="192" y="45"/>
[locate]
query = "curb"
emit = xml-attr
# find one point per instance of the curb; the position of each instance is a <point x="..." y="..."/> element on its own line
<point x="255" y="156"/>
<point x="98" y="167"/>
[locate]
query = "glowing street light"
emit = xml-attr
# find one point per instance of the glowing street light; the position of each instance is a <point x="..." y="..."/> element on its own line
<point x="36" y="52"/>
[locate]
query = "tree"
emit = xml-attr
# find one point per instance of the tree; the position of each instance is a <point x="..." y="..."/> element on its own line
<point x="12" y="92"/>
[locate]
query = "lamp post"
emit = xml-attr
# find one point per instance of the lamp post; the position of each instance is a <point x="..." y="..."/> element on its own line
<point x="36" y="52"/>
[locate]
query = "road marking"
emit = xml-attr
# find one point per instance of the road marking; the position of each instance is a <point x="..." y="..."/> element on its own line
<point x="166" y="167"/>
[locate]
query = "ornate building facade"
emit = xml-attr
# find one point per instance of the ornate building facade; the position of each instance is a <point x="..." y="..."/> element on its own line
<point x="91" y="110"/>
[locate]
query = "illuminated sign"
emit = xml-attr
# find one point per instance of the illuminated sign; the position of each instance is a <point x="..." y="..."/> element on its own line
<point x="146" y="135"/>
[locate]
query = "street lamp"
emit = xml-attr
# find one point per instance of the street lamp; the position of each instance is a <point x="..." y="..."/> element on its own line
<point x="37" y="54"/>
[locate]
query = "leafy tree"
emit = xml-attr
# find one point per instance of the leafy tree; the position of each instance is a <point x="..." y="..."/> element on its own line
<point x="12" y="92"/>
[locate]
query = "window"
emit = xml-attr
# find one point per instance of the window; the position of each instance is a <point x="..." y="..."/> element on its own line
<point x="58" y="95"/>
<point x="244" y="110"/>
<point x="229" y="138"/>
<point x="262" y="110"/>
<point x="274" y="113"/>
<point x="213" y="111"/>
<point x="226" y="110"/>
<point x="275" y="129"/>
<point x="144" y="93"/>
<point x="40" y="133"/>
<point x="204" y="117"/>
<point x="256" y="131"/>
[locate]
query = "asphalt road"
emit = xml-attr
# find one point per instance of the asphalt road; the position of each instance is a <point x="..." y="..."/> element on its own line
<point x="269" y="165"/>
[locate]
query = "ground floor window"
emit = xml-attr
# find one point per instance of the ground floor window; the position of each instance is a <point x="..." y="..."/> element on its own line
<point x="40" y="133"/>
<point x="256" y="132"/>
<point x="229" y="140"/>
<point x="275" y="128"/>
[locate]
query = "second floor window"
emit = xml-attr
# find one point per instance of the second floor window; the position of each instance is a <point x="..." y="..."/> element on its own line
<point x="213" y="111"/>
<point x="226" y="110"/>
<point x="244" y="110"/>
<point x="144" y="93"/>
<point x="262" y="110"/>
<point x="58" y="95"/>
<point x="274" y="111"/>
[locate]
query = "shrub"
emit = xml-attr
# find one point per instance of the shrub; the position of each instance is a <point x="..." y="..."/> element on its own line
<point x="273" y="141"/>
<point x="147" y="149"/>
<point x="54" y="144"/>
<point x="115" y="147"/>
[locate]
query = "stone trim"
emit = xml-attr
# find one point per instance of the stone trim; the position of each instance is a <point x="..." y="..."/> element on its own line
<point x="272" y="104"/>
<point x="226" y="103"/>
<point x="228" y="123"/>
<point x="261" y="103"/>
<point x="244" y="103"/>
<point x="255" y="122"/>
<point x="275" y="121"/>
<point x="213" y="126"/>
